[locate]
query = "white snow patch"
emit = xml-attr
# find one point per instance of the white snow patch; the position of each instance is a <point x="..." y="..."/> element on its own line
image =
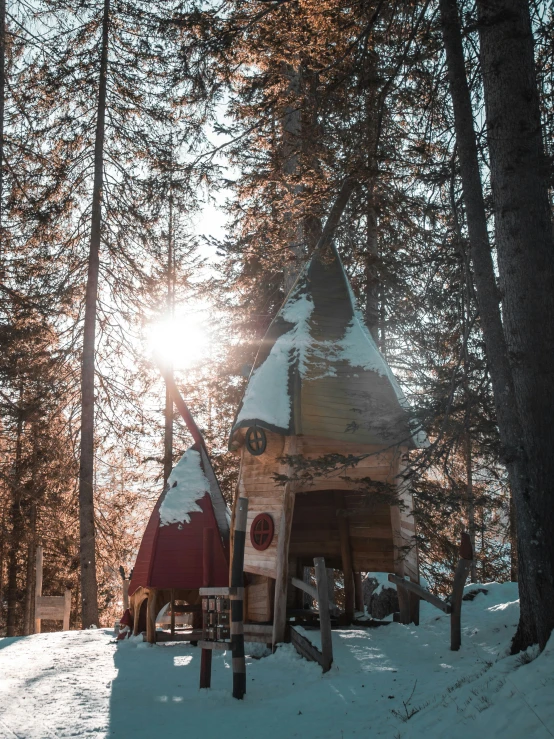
<point x="267" y="397"/>
<point x="187" y="484"/>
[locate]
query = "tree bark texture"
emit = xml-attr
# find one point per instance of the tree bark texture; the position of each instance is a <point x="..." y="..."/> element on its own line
<point x="17" y="529"/>
<point x="525" y="246"/>
<point x="168" y="415"/>
<point x="28" y="611"/>
<point x="488" y="296"/>
<point x="89" y="590"/>
<point x="2" y="106"/>
<point x="371" y="83"/>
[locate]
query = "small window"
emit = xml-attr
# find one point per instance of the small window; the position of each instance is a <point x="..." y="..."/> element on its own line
<point x="261" y="531"/>
<point x="256" y="440"/>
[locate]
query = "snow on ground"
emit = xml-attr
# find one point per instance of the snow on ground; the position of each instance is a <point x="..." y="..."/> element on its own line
<point x="394" y="681"/>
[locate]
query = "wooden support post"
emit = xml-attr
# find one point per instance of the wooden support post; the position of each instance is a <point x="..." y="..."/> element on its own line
<point x="125" y="586"/>
<point x="331" y="590"/>
<point x="420" y="592"/>
<point x="207" y="581"/>
<point x="460" y="577"/>
<point x="151" y="616"/>
<point x="324" y="615"/>
<point x="359" y="591"/>
<point x="403" y="603"/>
<point x="66" y="610"/>
<point x="172" y="606"/>
<point x="38" y="589"/>
<point x="237" y="600"/>
<point x="346" y="556"/>
<point x="282" y="574"/>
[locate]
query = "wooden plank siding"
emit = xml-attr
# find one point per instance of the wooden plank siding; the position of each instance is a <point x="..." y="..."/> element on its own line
<point x="378" y="532"/>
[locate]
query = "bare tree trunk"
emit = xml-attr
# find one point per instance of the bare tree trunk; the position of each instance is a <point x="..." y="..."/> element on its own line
<point x="2" y="549"/>
<point x="292" y="133"/>
<point x="28" y="615"/>
<point x="488" y="296"/>
<point x="371" y="84"/>
<point x="89" y="589"/>
<point x="525" y="246"/>
<point x="17" y="530"/>
<point x="2" y="106"/>
<point x="170" y="309"/>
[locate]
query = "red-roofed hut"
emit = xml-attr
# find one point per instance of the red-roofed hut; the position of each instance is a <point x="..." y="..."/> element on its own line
<point x="169" y="565"/>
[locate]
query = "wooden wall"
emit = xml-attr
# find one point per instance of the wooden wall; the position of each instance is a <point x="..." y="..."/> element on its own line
<point x="378" y="533"/>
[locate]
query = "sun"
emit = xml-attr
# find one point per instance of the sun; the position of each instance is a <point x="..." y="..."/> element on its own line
<point x="182" y="341"/>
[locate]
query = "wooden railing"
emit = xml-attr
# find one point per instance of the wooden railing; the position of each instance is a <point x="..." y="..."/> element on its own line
<point x="454" y="608"/>
<point x="303" y="646"/>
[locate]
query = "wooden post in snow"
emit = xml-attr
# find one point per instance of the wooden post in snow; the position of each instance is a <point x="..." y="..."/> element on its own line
<point x="66" y="610"/>
<point x="324" y="615"/>
<point x="172" y="606"/>
<point x="151" y="614"/>
<point x="460" y="577"/>
<point x="359" y="591"/>
<point x="207" y="581"/>
<point x="38" y="589"/>
<point x="346" y="556"/>
<point x="237" y="600"/>
<point x="125" y="587"/>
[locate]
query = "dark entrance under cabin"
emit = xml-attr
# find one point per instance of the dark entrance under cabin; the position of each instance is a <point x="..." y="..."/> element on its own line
<point x="351" y="530"/>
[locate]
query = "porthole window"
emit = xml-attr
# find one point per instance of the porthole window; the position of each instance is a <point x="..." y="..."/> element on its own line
<point x="261" y="531"/>
<point x="256" y="440"/>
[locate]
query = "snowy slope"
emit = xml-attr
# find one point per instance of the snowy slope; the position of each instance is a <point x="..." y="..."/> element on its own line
<point x="392" y="681"/>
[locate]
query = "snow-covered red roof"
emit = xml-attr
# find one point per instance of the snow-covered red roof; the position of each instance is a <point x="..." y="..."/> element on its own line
<point x="170" y="554"/>
<point x="319" y="371"/>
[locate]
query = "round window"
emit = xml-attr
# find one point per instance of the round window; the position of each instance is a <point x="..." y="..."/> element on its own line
<point x="261" y="531"/>
<point x="256" y="440"/>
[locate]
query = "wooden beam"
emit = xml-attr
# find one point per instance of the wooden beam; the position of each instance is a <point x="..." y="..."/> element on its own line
<point x="346" y="556"/>
<point x="151" y="616"/>
<point x="172" y="606"/>
<point x="301" y="585"/>
<point x="282" y="557"/>
<point x="66" y="610"/>
<point x="358" y="591"/>
<point x="460" y="577"/>
<point x="421" y="592"/>
<point x="126" y="584"/>
<point x="305" y="648"/>
<point x="208" y="646"/>
<point x="219" y="591"/>
<point x="324" y="615"/>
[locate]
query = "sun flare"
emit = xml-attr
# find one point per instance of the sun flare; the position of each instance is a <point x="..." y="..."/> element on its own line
<point x="182" y="341"/>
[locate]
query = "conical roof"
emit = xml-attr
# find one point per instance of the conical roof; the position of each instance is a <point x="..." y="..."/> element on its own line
<point x="319" y="372"/>
<point x="170" y="554"/>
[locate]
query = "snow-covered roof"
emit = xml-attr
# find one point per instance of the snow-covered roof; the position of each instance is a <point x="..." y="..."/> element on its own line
<point x="190" y="479"/>
<point x="319" y="371"/>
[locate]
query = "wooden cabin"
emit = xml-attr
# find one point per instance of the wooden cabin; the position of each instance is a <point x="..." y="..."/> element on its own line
<point x="169" y="565"/>
<point x="319" y="387"/>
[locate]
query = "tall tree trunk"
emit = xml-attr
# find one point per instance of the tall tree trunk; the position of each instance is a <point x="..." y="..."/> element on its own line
<point x="17" y="530"/>
<point x="2" y="549"/>
<point x="525" y="246"/>
<point x="2" y="106"/>
<point x="89" y="589"/>
<point x="28" y="615"/>
<point x="488" y="297"/>
<point x="170" y="308"/>
<point x="292" y="132"/>
<point x="371" y="85"/>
